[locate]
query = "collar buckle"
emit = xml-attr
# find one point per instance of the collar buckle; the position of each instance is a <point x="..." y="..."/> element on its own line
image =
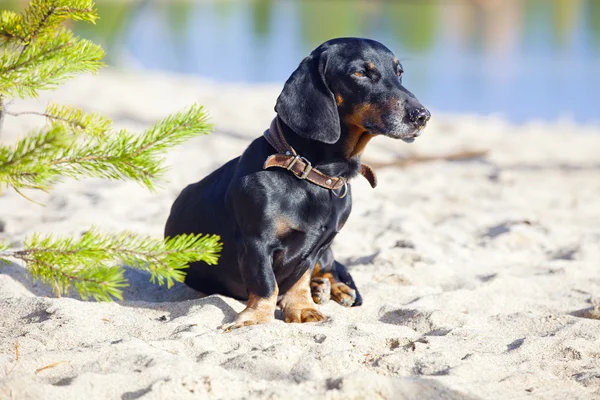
<point x="294" y="161"/>
<point x="306" y="170"/>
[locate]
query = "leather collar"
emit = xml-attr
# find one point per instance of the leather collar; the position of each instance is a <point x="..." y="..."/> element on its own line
<point x="286" y="157"/>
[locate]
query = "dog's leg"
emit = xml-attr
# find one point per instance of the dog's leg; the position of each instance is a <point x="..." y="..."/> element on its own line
<point x="257" y="272"/>
<point x="297" y="304"/>
<point x="259" y="310"/>
<point x="331" y="279"/>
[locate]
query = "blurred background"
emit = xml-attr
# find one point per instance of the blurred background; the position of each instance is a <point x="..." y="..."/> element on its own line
<point x="521" y="59"/>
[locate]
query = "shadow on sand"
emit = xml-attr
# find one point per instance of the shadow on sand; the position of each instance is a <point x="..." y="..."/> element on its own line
<point x="141" y="293"/>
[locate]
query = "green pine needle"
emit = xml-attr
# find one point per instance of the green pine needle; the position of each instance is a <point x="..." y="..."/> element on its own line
<point x="44" y="16"/>
<point x="38" y="54"/>
<point x="87" y="264"/>
<point x="74" y="118"/>
<point x="44" y="157"/>
<point x="26" y="165"/>
<point x="44" y="64"/>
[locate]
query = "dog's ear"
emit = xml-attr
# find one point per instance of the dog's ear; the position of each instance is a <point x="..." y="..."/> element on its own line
<point x="307" y="105"/>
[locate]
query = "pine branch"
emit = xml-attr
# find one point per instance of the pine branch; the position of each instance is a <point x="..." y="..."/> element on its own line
<point x="92" y="124"/>
<point x="44" y="64"/>
<point x="26" y="165"/>
<point x="43" y="16"/>
<point x="173" y="130"/>
<point x="38" y="55"/>
<point x="97" y="280"/>
<point x="87" y="263"/>
<point x="75" y="124"/>
<point x="139" y="158"/>
<point x="43" y="158"/>
<point x="74" y="118"/>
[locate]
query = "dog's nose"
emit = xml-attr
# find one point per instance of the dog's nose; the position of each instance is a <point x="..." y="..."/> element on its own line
<point x="419" y="116"/>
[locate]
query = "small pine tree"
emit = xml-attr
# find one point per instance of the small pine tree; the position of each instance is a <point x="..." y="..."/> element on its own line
<point x="38" y="54"/>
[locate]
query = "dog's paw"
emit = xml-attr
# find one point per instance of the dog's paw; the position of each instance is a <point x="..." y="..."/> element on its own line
<point x="320" y="289"/>
<point x="299" y="315"/>
<point x="236" y="325"/>
<point x="249" y="317"/>
<point x="343" y="294"/>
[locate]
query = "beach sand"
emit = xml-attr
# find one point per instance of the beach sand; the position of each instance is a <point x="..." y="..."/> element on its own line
<point x="479" y="277"/>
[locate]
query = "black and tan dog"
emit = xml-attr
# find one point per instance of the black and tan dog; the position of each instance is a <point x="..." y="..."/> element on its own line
<point x="279" y="205"/>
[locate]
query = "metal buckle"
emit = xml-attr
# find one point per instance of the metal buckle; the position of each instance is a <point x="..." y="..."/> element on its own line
<point x="294" y="161"/>
<point x="341" y="196"/>
<point x="306" y="170"/>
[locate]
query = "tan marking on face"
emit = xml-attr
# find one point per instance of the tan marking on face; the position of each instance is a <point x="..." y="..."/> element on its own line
<point x="358" y="136"/>
<point x="371" y="66"/>
<point x="357" y="143"/>
<point x="297" y="303"/>
<point x="259" y="310"/>
<point x="339" y="99"/>
<point x="396" y="61"/>
<point x="364" y="112"/>
<point x="358" y="73"/>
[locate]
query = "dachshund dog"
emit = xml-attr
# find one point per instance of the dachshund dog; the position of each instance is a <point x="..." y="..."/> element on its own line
<point x="279" y="205"/>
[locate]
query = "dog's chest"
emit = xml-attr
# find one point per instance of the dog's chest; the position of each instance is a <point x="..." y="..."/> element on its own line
<point x="318" y="227"/>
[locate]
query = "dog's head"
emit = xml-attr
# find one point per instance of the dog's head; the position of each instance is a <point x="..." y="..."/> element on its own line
<point x="352" y="82"/>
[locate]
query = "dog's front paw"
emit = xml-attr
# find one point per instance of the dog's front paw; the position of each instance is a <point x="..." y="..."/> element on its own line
<point x="343" y="294"/>
<point x="300" y="315"/>
<point x="249" y="317"/>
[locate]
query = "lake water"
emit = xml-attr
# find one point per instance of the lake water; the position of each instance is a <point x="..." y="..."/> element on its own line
<point x="524" y="59"/>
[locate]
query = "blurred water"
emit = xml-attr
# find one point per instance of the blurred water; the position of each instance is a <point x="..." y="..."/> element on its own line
<point x="525" y="59"/>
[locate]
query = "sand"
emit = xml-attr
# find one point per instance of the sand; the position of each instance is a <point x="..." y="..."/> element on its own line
<point x="479" y="277"/>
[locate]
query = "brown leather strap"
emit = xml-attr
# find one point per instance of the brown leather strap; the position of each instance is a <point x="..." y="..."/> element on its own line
<point x="302" y="168"/>
<point x="288" y="158"/>
<point x="276" y="139"/>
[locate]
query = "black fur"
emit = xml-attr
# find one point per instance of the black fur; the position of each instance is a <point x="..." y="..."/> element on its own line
<point x="306" y="93"/>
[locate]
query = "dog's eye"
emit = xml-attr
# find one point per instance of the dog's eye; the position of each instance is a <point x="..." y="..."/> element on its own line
<point x="360" y="74"/>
